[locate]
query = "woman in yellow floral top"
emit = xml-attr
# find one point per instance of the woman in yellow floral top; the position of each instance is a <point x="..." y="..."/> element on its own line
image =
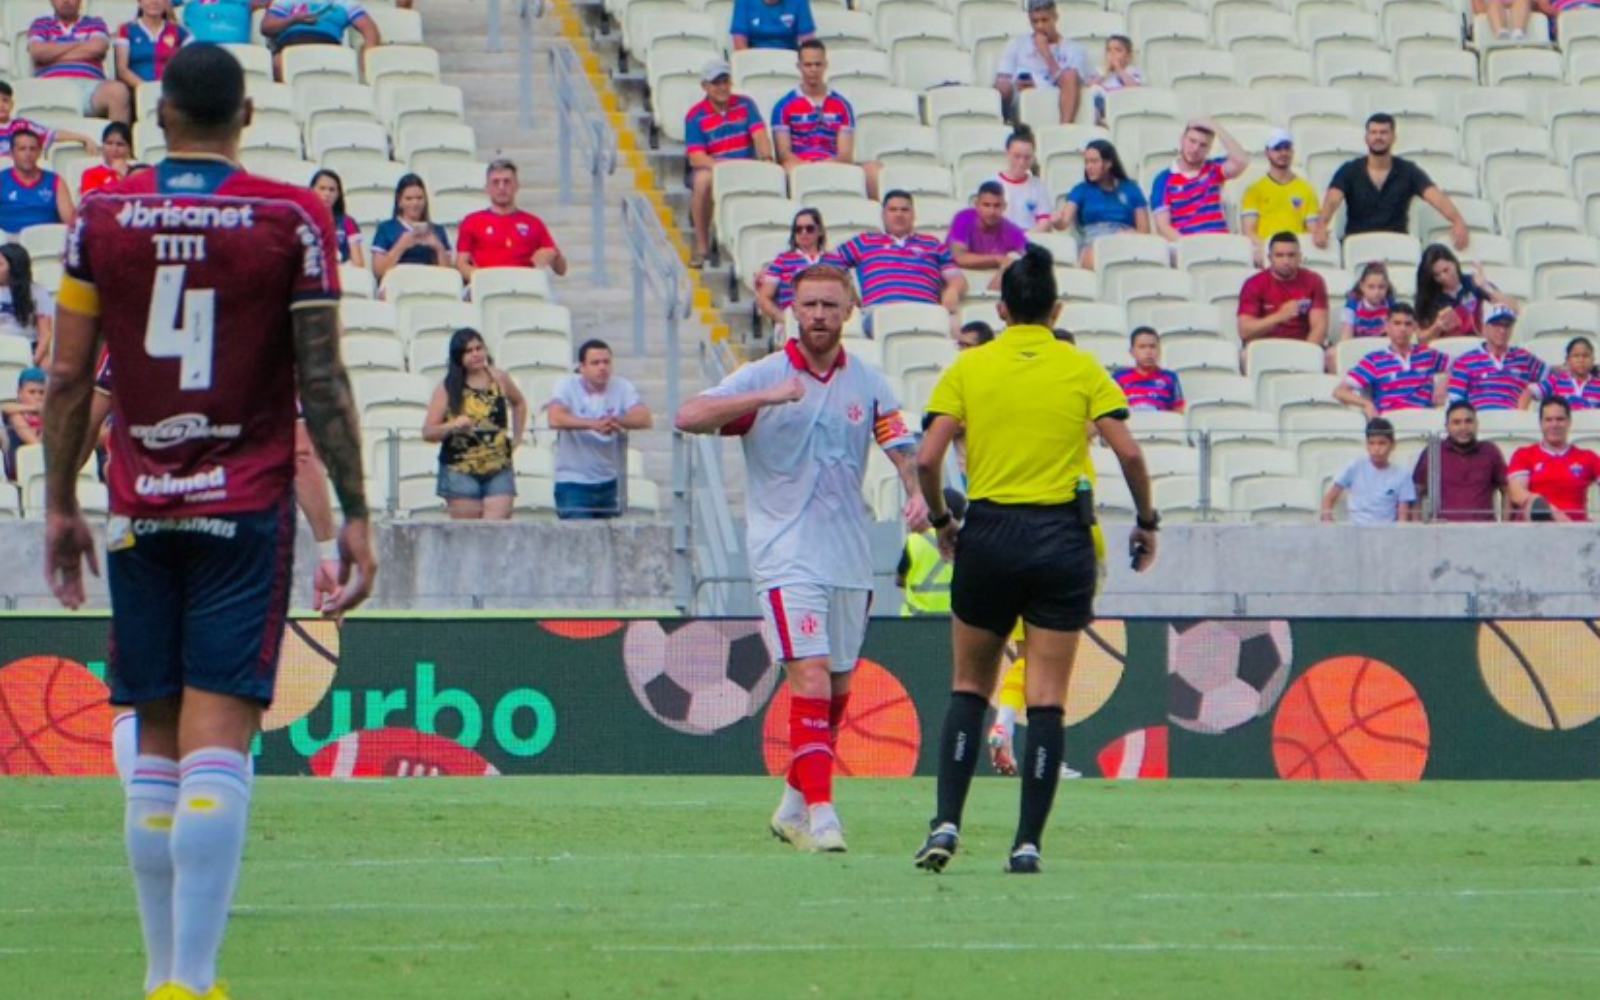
<point x="478" y="416"/>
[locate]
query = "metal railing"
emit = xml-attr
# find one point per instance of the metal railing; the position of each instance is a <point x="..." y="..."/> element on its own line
<point x="657" y="267"/>
<point x="578" y="109"/>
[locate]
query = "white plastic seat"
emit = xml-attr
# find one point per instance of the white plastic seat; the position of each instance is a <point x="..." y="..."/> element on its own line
<point x="405" y="281"/>
<point x="1266" y="357"/>
<point x="1277" y="499"/>
<point x="389" y="65"/>
<point x="1152" y="427"/>
<point x="1397" y="250"/>
<point x="357" y="282"/>
<point x="1089" y="318"/>
<point x="763" y="64"/>
<point x="367" y="317"/>
<point x="918" y="179"/>
<point x="922" y="63"/>
<point x="1449" y="70"/>
<point x="826" y="178"/>
<point x="413" y="103"/>
<point x="422" y="143"/>
<point x="1208" y="251"/>
<point x="1561" y="319"/>
<point x="961" y="143"/>
<point x="308" y="65"/>
<point x="330" y="140"/>
<point x="1201" y="355"/>
<point x="848" y="33"/>
<point x="1521" y="67"/>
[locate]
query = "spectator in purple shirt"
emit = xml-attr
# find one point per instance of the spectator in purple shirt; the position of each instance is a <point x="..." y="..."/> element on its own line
<point x="1471" y="472"/>
<point x="982" y="238"/>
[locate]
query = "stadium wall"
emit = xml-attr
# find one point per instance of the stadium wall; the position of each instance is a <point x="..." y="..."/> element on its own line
<point x="1309" y="699"/>
<point x="1438" y="571"/>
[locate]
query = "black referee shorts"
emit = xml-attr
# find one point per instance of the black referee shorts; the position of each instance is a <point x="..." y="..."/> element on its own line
<point x="1019" y="561"/>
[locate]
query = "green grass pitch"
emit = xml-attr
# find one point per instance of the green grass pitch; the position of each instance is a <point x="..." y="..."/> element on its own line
<point x="596" y="888"/>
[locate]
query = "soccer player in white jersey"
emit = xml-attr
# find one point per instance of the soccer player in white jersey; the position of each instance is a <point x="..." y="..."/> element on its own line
<point x="809" y="415"/>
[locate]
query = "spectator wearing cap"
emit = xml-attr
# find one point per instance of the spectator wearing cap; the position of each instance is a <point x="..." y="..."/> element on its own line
<point x="901" y="264"/>
<point x="1496" y="375"/>
<point x="1379" y="188"/>
<point x="503" y="235"/>
<point x="1380" y="491"/>
<point x="1285" y="301"/>
<point x="1147" y="385"/>
<point x="1574" y="383"/>
<point x="724" y="126"/>
<point x="982" y="238"/>
<point x="1043" y="58"/>
<point x="1451" y="303"/>
<point x="1550" y="481"/>
<point x="974" y="334"/>
<point x="771" y="24"/>
<point x="1104" y="203"/>
<point x="814" y="123"/>
<point x="1280" y="202"/>
<point x="1402" y="376"/>
<point x="1471" y="472"/>
<point x="1186" y="198"/>
<point x="24" y="416"/>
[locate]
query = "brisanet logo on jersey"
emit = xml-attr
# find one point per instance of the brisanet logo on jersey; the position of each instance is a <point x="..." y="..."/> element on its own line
<point x="211" y="484"/>
<point x="182" y="427"/>
<point x="171" y="215"/>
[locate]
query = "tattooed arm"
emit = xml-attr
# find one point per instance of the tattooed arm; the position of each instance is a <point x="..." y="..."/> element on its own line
<point x="330" y="413"/>
<point x="68" y="542"/>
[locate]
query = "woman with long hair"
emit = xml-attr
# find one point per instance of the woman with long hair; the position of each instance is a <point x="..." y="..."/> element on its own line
<point x="26" y="308"/>
<point x="1449" y="302"/>
<point x="808" y="244"/>
<point x="1027" y="198"/>
<point x="1574" y="383"/>
<point x="116" y="159"/>
<point x="478" y="416"/>
<point x="145" y="44"/>
<point x="329" y="186"/>
<point x="1105" y="202"/>
<point x="410" y="237"/>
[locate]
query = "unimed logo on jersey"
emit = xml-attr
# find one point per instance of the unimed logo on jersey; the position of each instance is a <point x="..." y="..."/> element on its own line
<point x="210" y="482"/>
<point x="171" y="215"/>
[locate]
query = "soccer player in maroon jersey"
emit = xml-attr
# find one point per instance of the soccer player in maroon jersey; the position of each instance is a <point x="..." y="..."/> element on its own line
<point x="202" y="470"/>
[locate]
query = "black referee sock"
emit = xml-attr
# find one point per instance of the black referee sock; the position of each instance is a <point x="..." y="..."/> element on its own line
<point x="1040" y="767"/>
<point x="960" y="745"/>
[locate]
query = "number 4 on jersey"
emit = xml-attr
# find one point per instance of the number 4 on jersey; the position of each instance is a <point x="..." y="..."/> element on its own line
<point x="182" y="325"/>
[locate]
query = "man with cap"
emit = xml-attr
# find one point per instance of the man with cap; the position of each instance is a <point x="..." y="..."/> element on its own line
<point x="1280" y="202"/>
<point x="1493" y="377"/>
<point x="1186" y="198"/>
<point x="724" y="126"/>
<point x="1043" y="58"/>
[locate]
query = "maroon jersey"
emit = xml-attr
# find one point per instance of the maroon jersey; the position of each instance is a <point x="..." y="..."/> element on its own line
<point x="193" y="269"/>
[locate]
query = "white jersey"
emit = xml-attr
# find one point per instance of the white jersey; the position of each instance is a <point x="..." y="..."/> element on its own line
<point x="804" y="465"/>
<point x="1027" y="200"/>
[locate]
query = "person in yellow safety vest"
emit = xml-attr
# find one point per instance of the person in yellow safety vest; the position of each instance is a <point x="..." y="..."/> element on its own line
<point x="923" y="573"/>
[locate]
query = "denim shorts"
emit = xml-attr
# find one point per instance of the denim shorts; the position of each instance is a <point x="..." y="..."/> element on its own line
<point x="455" y="485"/>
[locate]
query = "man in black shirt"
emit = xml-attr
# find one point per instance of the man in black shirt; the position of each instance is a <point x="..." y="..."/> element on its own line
<point x="1379" y="188"/>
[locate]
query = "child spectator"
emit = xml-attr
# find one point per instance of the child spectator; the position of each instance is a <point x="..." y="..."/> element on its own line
<point x="1380" y="491"/>
<point x="1120" y="72"/>
<point x="1147" y="385"/>
<point x="1366" y="307"/>
<point x="24" y="417"/>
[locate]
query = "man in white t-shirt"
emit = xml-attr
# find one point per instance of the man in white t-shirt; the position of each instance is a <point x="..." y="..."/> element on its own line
<point x="591" y="413"/>
<point x="809" y="415"/>
<point x="1043" y="58"/>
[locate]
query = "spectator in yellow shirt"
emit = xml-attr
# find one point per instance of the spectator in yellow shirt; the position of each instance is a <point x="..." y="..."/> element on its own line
<point x="1282" y="201"/>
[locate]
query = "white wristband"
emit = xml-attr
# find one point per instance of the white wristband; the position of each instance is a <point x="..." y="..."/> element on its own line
<point x="328" y="551"/>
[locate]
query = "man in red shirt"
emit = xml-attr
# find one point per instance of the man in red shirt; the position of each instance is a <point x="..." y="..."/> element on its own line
<point x="1286" y="301"/>
<point x="1553" y="471"/>
<point x="503" y="235"/>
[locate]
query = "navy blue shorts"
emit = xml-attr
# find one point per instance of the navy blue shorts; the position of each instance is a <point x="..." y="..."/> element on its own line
<point x="199" y="602"/>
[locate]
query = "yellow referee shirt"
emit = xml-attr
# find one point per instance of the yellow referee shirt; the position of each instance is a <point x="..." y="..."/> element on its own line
<point x="1281" y="208"/>
<point x="1027" y="400"/>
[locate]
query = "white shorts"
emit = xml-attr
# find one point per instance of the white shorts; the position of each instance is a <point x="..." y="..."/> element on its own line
<point x="804" y="621"/>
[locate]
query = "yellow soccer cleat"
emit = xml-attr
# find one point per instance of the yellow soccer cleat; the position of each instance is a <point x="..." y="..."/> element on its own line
<point x="173" y="991"/>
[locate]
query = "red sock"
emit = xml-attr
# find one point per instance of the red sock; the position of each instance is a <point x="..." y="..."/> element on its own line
<point x="812" y="770"/>
<point x="836" y="716"/>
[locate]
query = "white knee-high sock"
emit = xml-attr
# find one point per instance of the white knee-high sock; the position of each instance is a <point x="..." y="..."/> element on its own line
<point x="207" y="848"/>
<point x="151" y="784"/>
<point x="125" y="745"/>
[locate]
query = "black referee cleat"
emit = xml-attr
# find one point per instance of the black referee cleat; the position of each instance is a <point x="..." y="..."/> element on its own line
<point x="1024" y="861"/>
<point x="939" y="848"/>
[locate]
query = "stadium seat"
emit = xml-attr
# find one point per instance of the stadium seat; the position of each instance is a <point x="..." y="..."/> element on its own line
<point x="396" y="26"/>
<point x="392" y="390"/>
<point x="1280" y="392"/>
<point x="1277" y="500"/>
<point x="363" y="316"/>
<point x="1094" y="318"/>
<point x="362" y="352"/>
<point x="1548" y="253"/>
<point x="272" y="135"/>
<point x="1129" y="253"/>
<point x="418" y="281"/>
<point x="1557" y="319"/>
<point x="813" y="179"/>
<point x="920" y="64"/>
<point x="255" y="59"/>
<point x="750" y="65"/>
<point x="1143" y="291"/>
<point x="357" y="282"/>
<point x="305" y="66"/>
<point x="966" y="142"/>
<point x="427" y="326"/>
<point x="1190" y="321"/>
<point x="418" y="501"/>
<point x="919" y="179"/>
<point x="1152" y="427"/>
<point x="1397" y="250"/>
<point x="1200" y="354"/>
<point x="850" y="33"/>
<point x="1271" y="70"/>
<point x="337" y="102"/>
<point x="1267" y="357"/>
<point x="1349" y="352"/>
<point x="422" y="144"/>
<point x="411" y="103"/>
<point x="1199" y="254"/>
<point x="542" y="320"/>
<point x="1571" y="283"/>
<point x="340" y="144"/>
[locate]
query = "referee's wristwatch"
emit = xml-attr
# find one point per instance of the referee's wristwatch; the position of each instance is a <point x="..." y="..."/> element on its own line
<point x="942" y="520"/>
<point x="1152" y="524"/>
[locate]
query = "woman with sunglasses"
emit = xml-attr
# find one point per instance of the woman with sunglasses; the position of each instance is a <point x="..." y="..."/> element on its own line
<point x="808" y="245"/>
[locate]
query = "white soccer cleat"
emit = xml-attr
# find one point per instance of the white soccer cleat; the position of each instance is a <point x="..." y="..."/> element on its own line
<point x="792" y="830"/>
<point x="1068" y="772"/>
<point x="828" y="839"/>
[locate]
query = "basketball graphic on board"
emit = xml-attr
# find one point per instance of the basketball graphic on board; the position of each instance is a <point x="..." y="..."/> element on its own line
<point x="307" y="661"/>
<point x="1545" y="674"/>
<point x="879" y="738"/>
<point x="1351" y="718"/>
<point x="582" y="628"/>
<point x="55" y="719"/>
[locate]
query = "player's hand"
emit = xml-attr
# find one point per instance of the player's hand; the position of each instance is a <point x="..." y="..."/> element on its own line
<point x="1142" y="549"/>
<point x="790" y="391"/>
<point x="325" y="590"/>
<point x="68" y="543"/>
<point x="947" y="539"/>
<point x="916" y="513"/>
<point x="358" y="569"/>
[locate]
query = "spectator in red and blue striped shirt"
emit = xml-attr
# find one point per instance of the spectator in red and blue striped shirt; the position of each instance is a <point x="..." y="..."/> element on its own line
<point x="1575" y="383"/>
<point x="1402" y="376"/>
<point x="10" y="126"/>
<point x="724" y="126"/>
<point x="1186" y="198"/>
<point x="1147" y="385"/>
<point x="1495" y="376"/>
<point x="902" y="265"/>
<point x="814" y="123"/>
<point x="808" y="245"/>
<point x="67" y="46"/>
